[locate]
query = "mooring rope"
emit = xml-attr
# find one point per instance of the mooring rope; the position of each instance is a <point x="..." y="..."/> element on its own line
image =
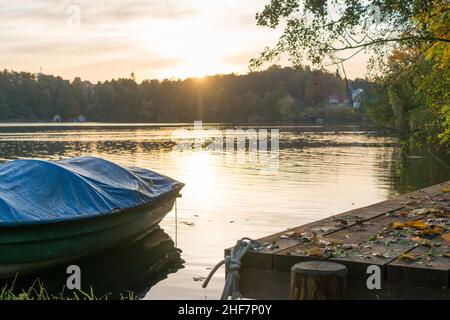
<point x="176" y="224"/>
<point x="233" y="265"/>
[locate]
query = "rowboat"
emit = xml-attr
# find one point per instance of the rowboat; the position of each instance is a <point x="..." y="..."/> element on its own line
<point x="133" y="266"/>
<point x="52" y="212"/>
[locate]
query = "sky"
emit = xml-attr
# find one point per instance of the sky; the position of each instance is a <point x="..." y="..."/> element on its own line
<point x="156" y="39"/>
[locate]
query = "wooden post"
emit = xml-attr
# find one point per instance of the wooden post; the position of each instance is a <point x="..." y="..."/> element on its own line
<point x="318" y="280"/>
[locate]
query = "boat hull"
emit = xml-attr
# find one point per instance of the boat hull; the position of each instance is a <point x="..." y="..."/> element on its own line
<point x="30" y="248"/>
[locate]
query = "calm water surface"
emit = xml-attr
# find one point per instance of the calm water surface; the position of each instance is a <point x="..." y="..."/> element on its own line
<point x="320" y="172"/>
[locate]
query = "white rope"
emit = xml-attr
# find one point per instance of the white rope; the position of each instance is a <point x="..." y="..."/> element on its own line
<point x="233" y="265"/>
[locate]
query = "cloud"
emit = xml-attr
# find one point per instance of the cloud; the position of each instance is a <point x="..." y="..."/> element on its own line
<point x="239" y="59"/>
<point x="154" y="38"/>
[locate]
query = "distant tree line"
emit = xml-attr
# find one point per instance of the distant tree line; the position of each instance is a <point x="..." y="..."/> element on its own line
<point x="274" y="95"/>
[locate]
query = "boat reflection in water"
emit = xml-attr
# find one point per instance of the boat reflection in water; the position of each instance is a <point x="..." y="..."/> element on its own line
<point x="115" y="273"/>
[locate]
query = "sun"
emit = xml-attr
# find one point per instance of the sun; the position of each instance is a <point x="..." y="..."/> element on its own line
<point x="198" y="50"/>
<point x="198" y="64"/>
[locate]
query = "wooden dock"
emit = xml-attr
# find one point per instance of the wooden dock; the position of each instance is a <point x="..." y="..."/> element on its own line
<point x="408" y="237"/>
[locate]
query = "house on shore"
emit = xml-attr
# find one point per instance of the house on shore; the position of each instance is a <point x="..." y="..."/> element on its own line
<point x="56" y="118"/>
<point x="357" y="96"/>
<point x="80" y="118"/>
<point x="336" y="99"/>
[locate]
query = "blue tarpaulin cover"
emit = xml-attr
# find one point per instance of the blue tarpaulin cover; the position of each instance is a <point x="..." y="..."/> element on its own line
<point x="37" y="191"/>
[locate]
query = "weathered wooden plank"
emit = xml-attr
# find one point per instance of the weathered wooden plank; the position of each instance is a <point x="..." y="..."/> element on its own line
<point x="426" y="264"/>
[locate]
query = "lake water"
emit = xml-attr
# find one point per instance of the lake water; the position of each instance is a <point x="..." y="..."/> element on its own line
<point x="320" y="171"/>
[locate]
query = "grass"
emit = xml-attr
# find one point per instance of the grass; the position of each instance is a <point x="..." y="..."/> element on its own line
<point x="37" y="291"/>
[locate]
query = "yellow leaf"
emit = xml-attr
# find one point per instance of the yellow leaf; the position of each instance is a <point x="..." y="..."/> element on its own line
<point x="437" y="229"/>
<point x="446" y="255"/>
<point x="418" y="224"/>
<point x="446" y="237"/>
<point x="407" y="257"/>
<point x="432" y="231"/>
<point x="314" y="237"/>
<point x="446" y="189"/>
<point x="398" y="225"/>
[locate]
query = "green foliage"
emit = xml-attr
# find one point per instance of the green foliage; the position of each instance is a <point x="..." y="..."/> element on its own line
<point x="340" y="114"/>
<point x="412" y="84"/>
<point x="414" y="98"/>
<point x="320" y="30"/>
<point x="277" y="94"/>
<point x="377" y="107"/>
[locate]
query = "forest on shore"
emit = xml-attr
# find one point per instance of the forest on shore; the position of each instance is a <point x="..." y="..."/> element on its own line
<point x="277" y="94"/>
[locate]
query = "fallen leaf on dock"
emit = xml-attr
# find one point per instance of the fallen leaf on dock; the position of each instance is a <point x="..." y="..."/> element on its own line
<point x="338" y="253"/>
<point x="385" y="255"/>
<point x="346" y="219"/>
<point x="314" y="237"/>
<point x="446" y="255"/>
<point x="431" y="253"/>
<point x="446" y="189"/>
<point x="397" y="225"/>
<point x="416" y="224"/>
<point x="423" y="211"/>
<point x="446" y="237"/>
<point x="421" y="242"/>
<point x="407" y="257"/>
<point x="431" y="231"/>
<point x="419" y="224"/>
<point x="330" y="242"/>
<point x="408" y="203"/>
<point x="315" y="252"/>
<point x="323" y="229"/>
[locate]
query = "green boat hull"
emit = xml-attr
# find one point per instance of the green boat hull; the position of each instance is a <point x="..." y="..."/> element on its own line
<point x="30" y="248"/>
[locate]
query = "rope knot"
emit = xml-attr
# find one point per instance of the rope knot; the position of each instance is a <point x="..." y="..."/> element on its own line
<point x="233" y="265"/>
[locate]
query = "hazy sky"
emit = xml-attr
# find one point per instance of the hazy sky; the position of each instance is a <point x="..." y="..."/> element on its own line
<point x="152" y="38"/>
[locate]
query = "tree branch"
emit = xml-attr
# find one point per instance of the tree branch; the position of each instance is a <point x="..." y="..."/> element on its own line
<point x="378" y="41"/>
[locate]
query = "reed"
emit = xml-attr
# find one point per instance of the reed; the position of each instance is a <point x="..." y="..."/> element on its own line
<point x="37" y="291"/>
